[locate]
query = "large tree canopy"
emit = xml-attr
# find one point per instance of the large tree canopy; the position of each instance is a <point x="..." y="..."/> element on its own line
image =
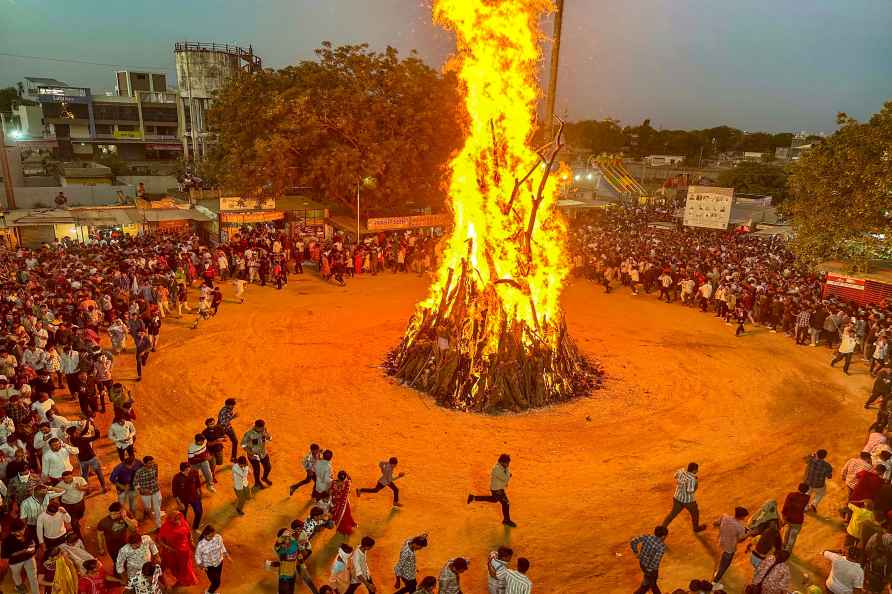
<point x="842" y="192"/>
<point x="353" y="113"/>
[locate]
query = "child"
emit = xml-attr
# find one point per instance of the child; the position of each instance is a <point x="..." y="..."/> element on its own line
<point x="740" y="314"/>
<point x="240" y="289"/>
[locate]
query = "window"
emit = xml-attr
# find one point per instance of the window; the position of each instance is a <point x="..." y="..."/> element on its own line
<point x="103" y="129"/>
<point x="128" y="112"/>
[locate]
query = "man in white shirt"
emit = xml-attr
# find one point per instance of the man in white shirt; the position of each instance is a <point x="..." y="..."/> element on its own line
<point x="122" y="433"/>
<point x="51" y="528"/>
<point x="498" y="484"/>
<point x="57" y="459"/>
<point x="516" y="580"/>
<point x="359" y="567"/>
<point x="43" y="436"/>
<point x="322" y="475"/>
<point x="74" y="490"/>
<point x="845" y="576"/>
<point x="41" y="405"/>
<point x="240" y="483"/>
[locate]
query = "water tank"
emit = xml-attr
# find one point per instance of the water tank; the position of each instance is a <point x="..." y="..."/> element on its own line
<point x="203" y="68"/>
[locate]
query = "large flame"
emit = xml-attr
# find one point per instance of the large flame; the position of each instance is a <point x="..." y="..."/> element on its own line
<point x="490" y="336"/>
<point x="497" y="61"/>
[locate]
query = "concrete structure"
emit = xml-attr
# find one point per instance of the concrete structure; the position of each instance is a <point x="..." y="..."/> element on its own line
<point x="203" y="69"/>
<point x="661" y="160"/>
<point x="129" y="83"/>
<point x="140" y="123"/>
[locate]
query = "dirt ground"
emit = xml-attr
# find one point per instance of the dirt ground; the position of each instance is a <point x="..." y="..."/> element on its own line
<point x="588" y="475"/>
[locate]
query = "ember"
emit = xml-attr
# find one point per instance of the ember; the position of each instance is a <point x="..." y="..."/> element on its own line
<point x="491" y="335"/>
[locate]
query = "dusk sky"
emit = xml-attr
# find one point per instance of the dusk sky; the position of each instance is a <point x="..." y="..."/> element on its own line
<point x="779" y="65"/>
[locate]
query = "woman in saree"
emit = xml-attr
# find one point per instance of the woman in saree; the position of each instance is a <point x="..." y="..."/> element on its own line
<point x="177" y="548"/>
<point x="340" y="499"/>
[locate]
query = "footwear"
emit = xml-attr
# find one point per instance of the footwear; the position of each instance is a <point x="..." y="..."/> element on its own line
<point x="212" y="489"/>
<point x="239" y="512"/>
<point x="470" y="498"/>
<point x="717" y="586"/>
<point x="358" y="492"/>
<point x="509" y="523"/>
<point x="268" y="482"/>
<point x="397" y="504"/>
<point x="700" y="528"/>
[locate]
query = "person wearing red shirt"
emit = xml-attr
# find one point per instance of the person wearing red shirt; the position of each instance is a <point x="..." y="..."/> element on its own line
<point x="867" y="484"/>
<point x="793" y="514"/>
<point x="95" y="581"/>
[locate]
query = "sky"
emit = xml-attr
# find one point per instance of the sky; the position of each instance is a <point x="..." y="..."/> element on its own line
<point x="773" y="65"/>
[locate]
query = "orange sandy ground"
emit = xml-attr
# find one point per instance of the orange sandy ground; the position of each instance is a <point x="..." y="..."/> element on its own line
<point x="588" y="475"/>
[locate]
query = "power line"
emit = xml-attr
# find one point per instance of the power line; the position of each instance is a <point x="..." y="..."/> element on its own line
<point x="70" y="61"/>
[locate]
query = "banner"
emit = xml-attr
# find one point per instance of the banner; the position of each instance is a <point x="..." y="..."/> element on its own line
<point x="410" y="222"/>
<point x="708" y="207"/>
<point x="136" y="134"/>
<point x="250" y="217"/>
<point x="236" y="203"/>
<point x="848" y="282"/>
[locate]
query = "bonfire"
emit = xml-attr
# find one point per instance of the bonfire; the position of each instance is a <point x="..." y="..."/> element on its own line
<point x="491" y="335"/>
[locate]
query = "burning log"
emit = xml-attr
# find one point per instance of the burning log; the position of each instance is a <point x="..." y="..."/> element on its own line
<point x="491" y="335"/>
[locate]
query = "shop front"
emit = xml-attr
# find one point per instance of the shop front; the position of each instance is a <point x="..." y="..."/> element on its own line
<point x="232" y="223"/>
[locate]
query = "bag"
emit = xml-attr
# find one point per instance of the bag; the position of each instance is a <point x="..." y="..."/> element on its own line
<point x="757" y="588"/>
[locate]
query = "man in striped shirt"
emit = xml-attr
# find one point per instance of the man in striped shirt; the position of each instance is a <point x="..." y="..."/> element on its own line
<point x="685" y="497"/>
<point x="516" y="580"/>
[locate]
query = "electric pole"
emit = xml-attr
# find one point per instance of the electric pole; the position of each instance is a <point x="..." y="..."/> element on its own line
<point x="555" y="62"/>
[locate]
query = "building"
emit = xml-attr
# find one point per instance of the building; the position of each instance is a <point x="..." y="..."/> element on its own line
<point x="203" y="69"/>
<point x="139" y="124"/>
<point x="660" y="160"/>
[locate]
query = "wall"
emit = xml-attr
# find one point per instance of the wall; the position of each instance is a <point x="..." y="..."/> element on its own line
<point x="155" y="184"/>
<point x="77" y="196"/>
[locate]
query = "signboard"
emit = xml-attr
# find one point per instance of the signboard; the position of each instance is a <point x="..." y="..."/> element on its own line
<point x="708" y="207"/>
<point x="238" y="218"/>
<point x="238" y="203"/>
<point x="165" y="147"/>
<point x="128" y="134"/>
<point x="410" y="222"/>
<point x="63" y="94"/>
<point x="847" y="282"/>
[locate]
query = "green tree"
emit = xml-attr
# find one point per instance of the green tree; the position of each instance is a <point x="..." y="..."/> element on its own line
<point x="841" y="200"/>
<point x="10" y="96"/>
<point x="756" y="178"/>
<point x="328" y="123"/>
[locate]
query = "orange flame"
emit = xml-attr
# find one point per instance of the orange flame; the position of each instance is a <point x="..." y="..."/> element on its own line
<point x="497" y="62"/>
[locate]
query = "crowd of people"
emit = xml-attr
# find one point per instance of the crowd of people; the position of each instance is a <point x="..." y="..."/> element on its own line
<point x="70" y="311"/>
<point x="743" y="279"/>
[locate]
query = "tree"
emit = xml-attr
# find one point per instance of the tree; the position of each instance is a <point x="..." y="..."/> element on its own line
<point x="842" y="192"/>
<point x="353" y="113"/>
<point x="756" y="178"/>
<point x="11" y="96"/>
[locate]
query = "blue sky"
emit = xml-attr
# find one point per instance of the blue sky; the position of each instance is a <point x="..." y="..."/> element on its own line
<point x="756" y="64"/>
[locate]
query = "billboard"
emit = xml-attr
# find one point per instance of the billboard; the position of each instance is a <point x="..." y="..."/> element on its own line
<point x="708" y="207"/>
<point x="236" y="203"/>
<point x="409" y="222"/>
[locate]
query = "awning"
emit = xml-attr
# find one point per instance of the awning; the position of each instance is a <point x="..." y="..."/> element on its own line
<point x="103" y="217"/>
<point x="31" y="217"/>
<point x="157" y="215"/>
